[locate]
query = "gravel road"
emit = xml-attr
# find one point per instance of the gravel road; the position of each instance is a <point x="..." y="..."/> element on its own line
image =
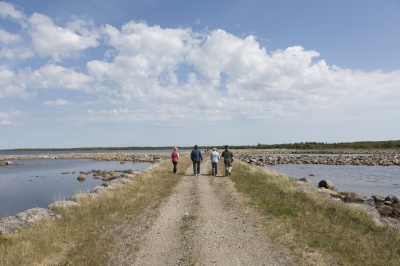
<point x="204" y="222"/>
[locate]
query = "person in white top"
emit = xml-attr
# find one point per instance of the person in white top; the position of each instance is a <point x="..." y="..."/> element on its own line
<point x="214" y="157"/>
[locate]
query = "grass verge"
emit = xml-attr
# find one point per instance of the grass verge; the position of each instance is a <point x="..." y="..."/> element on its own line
<point x="316" y="229"/>
<point x="78" y="238"/>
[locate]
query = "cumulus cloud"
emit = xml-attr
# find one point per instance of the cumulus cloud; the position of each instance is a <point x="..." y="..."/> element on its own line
<point x="150" y="73"/>
<point x="11" y="86"/>
<point x="58" y="42"/>
<point x="8" y="38"/>
<point x="19" y="53"/>
<point x="53" y="76"/>
<point x="9" y="11"/>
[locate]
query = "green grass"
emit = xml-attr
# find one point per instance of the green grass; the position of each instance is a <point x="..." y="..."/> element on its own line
<point x="78" y="238"/>
<point x="306" y="221"/>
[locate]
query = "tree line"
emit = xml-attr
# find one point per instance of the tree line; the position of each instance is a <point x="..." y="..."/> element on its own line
<point x="367" y="145"/>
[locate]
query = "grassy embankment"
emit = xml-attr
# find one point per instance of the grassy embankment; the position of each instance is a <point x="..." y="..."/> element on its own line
<point x="309" y="224"/>
<point x="79" y="237"/>
<point x="304" y="222"/>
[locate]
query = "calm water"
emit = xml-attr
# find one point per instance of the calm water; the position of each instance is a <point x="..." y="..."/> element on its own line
<point x="367" y="180"/>
<point x="37" y="183"/>
<point x="35" y="152"/>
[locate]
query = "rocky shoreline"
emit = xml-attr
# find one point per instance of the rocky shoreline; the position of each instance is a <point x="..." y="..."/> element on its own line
<point x="384" y="210"/>
<point x="370" y="160"/>
<point x="134" y="157"/>
<point x="112" y="180"/>
<point x="29" y="217"/>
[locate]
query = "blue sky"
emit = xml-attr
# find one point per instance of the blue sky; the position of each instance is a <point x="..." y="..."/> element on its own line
<point x="123" y="73"/>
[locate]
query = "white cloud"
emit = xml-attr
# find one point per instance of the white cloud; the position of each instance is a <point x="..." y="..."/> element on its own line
<point x="150" y="73"/>
<point x="9" y="11"/>
<point x="53" y="76"/>
<point x="16" y="53"/>
<point x="8" y="38"/>
<point x="11" y="85"/>
<point x="9" y="118"/>
<point x="27" y="83"/>
<point x="57" y="42"/>
<point x="144" y="52"/>
<point x="58" y="102"/>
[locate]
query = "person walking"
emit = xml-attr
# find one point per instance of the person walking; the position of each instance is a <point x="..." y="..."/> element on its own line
<point x="196" y="158"/>
<point x="214" y="157"/>
<point x="228" y="159"/>
<point x="175" y="159"/>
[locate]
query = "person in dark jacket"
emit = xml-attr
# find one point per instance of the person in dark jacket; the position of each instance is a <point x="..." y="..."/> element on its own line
<point x="196" y="158"/>
<point x="228" y="159"/>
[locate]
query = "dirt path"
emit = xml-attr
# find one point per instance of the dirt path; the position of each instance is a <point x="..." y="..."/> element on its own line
<point x="205" y="222"/>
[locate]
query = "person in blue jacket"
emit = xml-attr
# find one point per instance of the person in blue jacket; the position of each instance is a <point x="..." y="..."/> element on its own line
<point x="196" y="158"/>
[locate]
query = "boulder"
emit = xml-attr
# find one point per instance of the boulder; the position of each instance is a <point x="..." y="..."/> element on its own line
<point x="81" y="177"/>
<point x="307" y="181"/>
<point x="385" y="210"/>
<point x="24" y="219"/>
<point x="393" y="198"/>
<point x="396" y="210"/>
<point x="326" y="184"/>
<point x="378" y="198"/>
<point x="353" y="197"/>
<point x="332" y="193"/>
<point x="98" y="189"/>
<point x="371" y="210"/>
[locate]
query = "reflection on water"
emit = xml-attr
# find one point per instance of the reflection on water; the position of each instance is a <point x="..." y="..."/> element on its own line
<point x="367" y="180"/>
<point x="37" y="183"/>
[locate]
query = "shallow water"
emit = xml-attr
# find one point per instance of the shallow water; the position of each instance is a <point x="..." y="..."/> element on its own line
<point x="41" y="152"/>
<point x="37" y="183"/>
<point x="367" y="180"/>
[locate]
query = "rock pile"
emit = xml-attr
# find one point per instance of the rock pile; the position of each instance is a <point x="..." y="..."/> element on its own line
<point x="389" y="206"/>
<point x="371" y="160"/>
<point x="122" y="157"/>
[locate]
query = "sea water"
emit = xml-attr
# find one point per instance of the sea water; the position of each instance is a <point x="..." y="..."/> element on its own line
<point x="367" y="180"/>
<point x="39" y="182"/>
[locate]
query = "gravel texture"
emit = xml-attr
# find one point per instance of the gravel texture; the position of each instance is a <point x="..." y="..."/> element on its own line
<point x="204" y="222"/>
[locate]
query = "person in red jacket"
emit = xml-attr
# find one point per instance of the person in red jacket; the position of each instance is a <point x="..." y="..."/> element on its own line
<point x="175" y="159"/>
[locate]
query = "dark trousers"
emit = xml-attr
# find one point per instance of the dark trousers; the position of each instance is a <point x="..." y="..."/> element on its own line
<point x="175" y="169"/>
<point x="196" y="167"/>
<point x="214" y="167"/>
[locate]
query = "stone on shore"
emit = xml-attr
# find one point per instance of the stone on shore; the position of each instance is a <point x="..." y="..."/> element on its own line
<point x="326" y="184"/>
<point x="378" y="198"/>
<point x="353" y="197"/>
<point x="24" y="219"/>
<point x="393" y="198"/>
<point x="331" y="193"/>
<point x="307" y="181"/>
